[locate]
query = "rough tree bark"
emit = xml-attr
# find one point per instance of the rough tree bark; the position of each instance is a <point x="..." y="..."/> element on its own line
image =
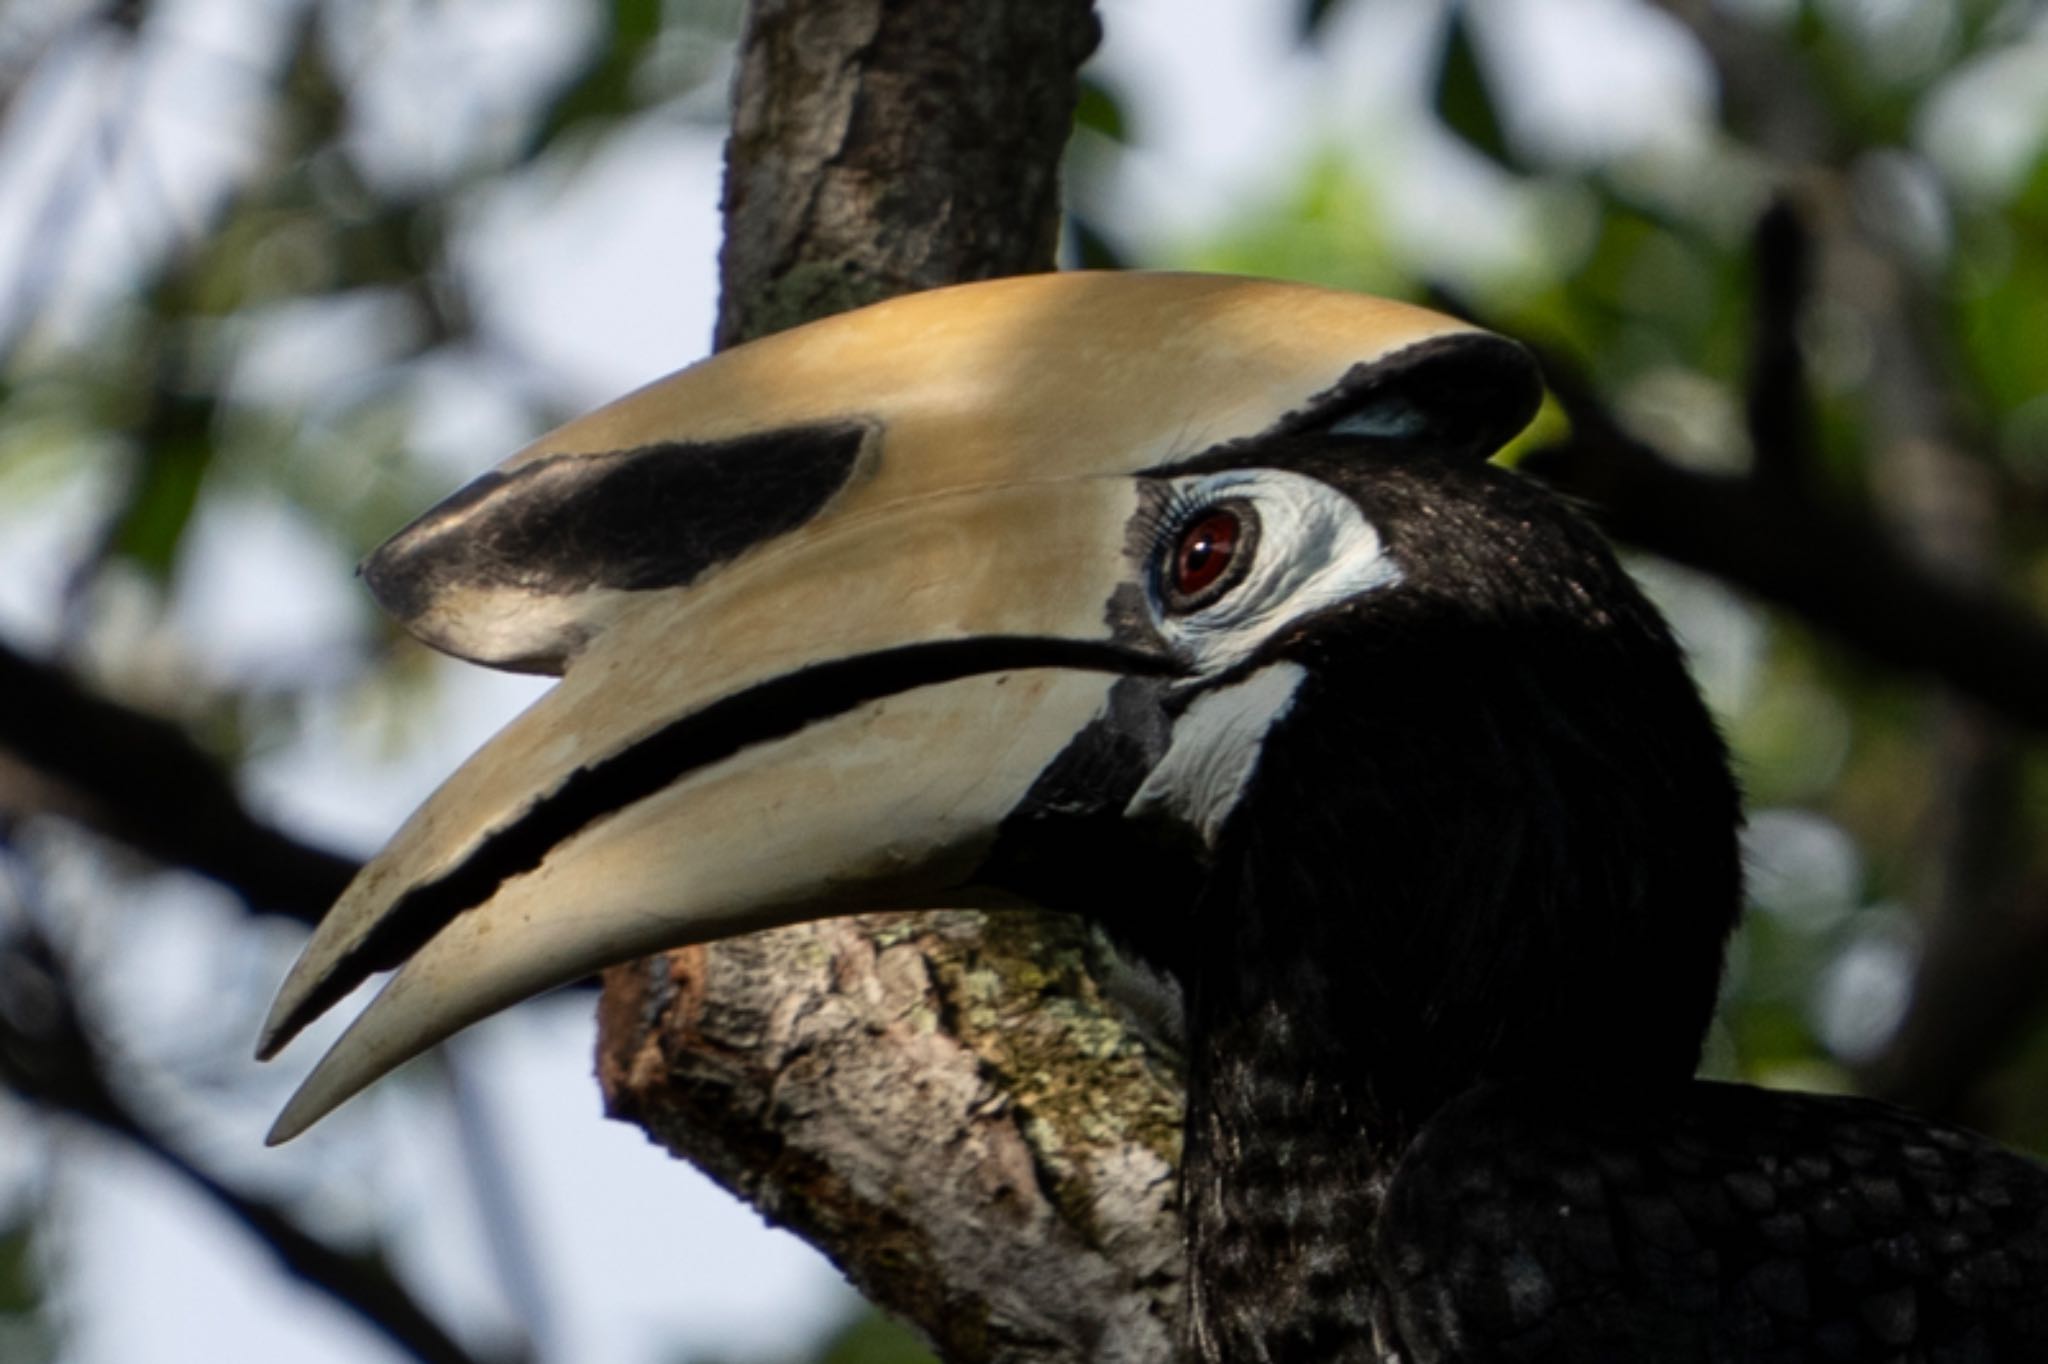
<point x="947" y="1105"/>
<point x="880" y="148"/>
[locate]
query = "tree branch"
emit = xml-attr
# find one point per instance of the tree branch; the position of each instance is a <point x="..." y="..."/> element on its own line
<point x="1779" y="408"/>
<point x="878" y="149"/>
<point x="48" y="1058"/>
<point x="1840" y="572"/>
<point x="141" y="780"/>
<point x="946" y="1104"/>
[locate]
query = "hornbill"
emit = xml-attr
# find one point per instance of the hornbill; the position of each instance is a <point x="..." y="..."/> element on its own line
<point x="1189" y="604"/>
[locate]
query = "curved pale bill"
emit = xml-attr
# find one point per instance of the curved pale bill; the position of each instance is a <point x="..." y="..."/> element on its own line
<point x="890" y="800"/>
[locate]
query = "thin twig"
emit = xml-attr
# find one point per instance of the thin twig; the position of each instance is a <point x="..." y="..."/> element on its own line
<point x="141" y="780"/>
<point x="1779" y="407"/>
<point x="48" y="1058"/>
<point x="1837" y="569"/>
<point x="496" y="1191"/>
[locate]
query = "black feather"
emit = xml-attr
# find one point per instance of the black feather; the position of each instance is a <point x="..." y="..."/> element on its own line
<point x="1457" y="955"/>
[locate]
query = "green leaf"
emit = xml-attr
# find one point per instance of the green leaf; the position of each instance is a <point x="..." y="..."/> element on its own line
<point x="2000" y="297"/>
<point x="1100" y="111"/>
<point x="160" y="507"/>
<point x="25" y="1334"/>
<point x="604" y="92"/>
<point x="1092" y="250"/>
<point x="874" y="1339"/>
<point x="20" y="1288"/>
<point x="636" y="21"/>
<point x="1462" y="99"/>
<point x="1326" y="230"/>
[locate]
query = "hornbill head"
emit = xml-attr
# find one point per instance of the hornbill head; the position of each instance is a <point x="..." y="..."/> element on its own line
<point x="891" y="610"/>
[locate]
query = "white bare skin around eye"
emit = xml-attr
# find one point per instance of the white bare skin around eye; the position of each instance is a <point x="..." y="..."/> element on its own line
<point x="1314" y="549"/>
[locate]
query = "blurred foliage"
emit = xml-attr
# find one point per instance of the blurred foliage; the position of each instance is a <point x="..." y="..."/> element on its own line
<point x="1463" y="99"/>
<point x="874" y="1339"/>
<point x="1101" y="111"/>
<point x="154" y="372"/>
<point x="25" y="1337"/>
<point x="1313" y="15"/>
<point x="1323" y="232"/>
<point x="867" y="1337"/>
<point x="243" y="283"/>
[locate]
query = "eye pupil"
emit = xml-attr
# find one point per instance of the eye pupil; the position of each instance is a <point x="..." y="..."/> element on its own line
<point x="1206" y="548"/>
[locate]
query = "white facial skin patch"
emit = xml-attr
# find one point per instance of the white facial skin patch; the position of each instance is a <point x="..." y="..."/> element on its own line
<point x="1314" y="549"/>
<point x="1215" y="748"/>
<point x="1311" y="549"/>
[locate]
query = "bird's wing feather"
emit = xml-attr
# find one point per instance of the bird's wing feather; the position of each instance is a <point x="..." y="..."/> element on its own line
<point x="1724" y="1224"/>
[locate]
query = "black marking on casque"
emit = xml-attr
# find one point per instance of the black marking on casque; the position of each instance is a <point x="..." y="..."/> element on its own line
<point x="1471" y="391"/>
<point x="650" y="517"/>
<point x="769" y="710"/>
<point x="1462" y="396"/>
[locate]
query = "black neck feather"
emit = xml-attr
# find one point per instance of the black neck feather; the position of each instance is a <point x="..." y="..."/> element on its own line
<point x="1494" y="837"/>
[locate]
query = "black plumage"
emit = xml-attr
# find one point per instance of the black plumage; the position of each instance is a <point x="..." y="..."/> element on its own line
<point x="1453" y="966"/>
<point x="1719" y="1222"/>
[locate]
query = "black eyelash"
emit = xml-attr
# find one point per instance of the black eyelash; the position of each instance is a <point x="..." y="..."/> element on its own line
<point x="1163" y="516"/>
<point x="1165" y="508"/>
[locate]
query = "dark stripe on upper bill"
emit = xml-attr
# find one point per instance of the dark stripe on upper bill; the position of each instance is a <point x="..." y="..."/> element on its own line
<point x="769" y="710"/>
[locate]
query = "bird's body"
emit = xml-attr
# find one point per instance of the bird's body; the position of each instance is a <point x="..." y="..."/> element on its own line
<point x="1711" y="1223"/>
<point x="1386" y="758"/>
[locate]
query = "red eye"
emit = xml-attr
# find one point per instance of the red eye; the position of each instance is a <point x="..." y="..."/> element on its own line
<point x="1206" y="548"/>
